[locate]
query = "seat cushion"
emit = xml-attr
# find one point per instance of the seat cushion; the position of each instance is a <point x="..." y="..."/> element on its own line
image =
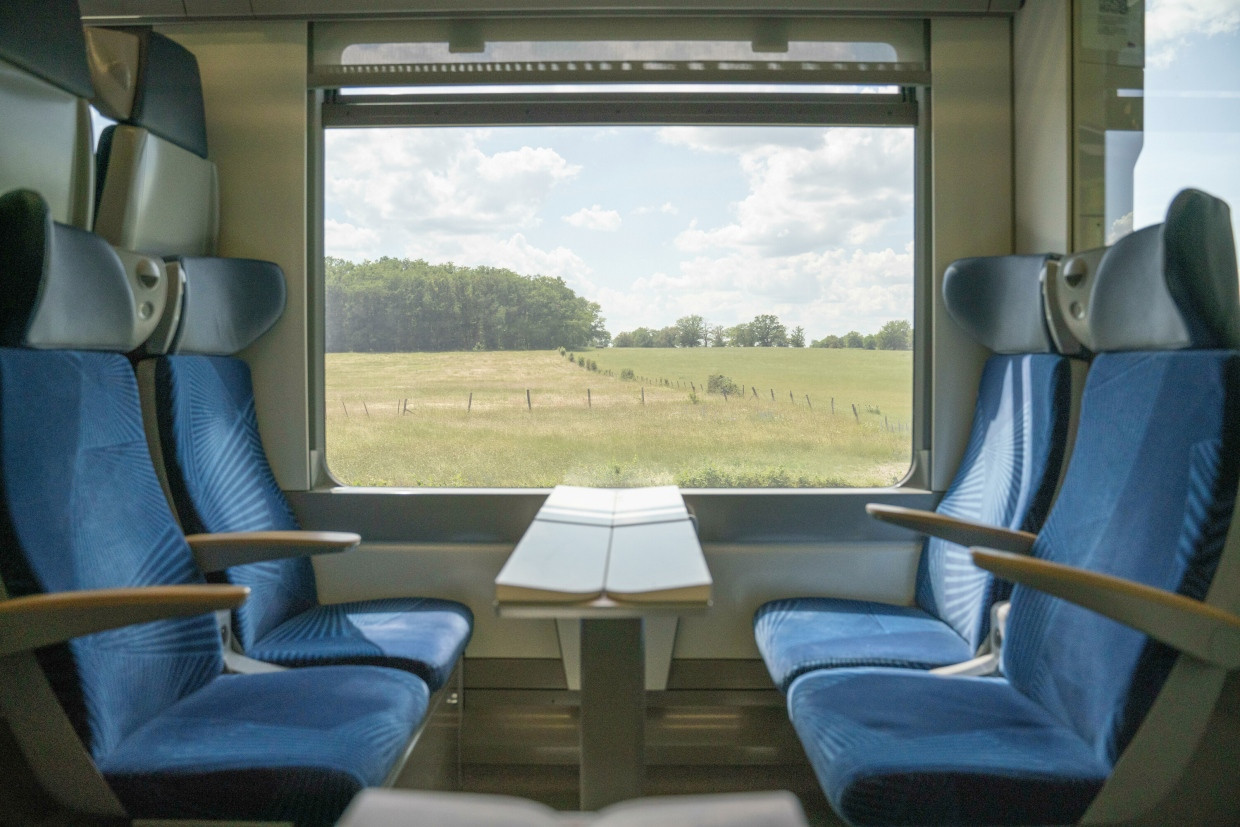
<point x="285" y="746"/>
<point x="422" y="635"/>
<point x="907" y="747"/>
<point x="800" y="635"/>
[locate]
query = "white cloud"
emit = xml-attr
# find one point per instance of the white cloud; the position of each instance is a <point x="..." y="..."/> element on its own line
<point x="666" y="208"/>
<point x="847" y="189"/>
<point x="1120" y="227"/>
<point x="437" y="187"/>
<point x="344" y="240"/>
<point x="829" y="292"/>
<point x="1170" y="24"/>
<point x="595" y="218"/>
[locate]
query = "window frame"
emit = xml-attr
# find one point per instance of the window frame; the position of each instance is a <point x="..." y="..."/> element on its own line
<point x="501" y="514"/>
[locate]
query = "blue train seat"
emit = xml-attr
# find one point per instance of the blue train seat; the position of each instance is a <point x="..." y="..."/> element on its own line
<point x="1147" y="497"/>
<point x="1006" y="479"/>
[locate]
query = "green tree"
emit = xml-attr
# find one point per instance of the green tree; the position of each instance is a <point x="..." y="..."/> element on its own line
<point x="739" y="336"/>
<point x="895" y="335"/>
<point x="767" y="331"/>
<point x="797" y="337"/>
<point x="403" y="305"/>
<point x="691" y="331"/>
<point x="854" y="339"/>
<point x="716" y="333"/>
<point x="666" y="337"/>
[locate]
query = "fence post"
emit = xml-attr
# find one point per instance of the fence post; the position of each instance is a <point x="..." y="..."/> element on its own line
<point x="346" y="409"/>
<point x="833" y="406"/>
<point x="528" y="404"/>
<point x="364" y="408"/>
<point x="854" y="407"/>
<point x="772" y="394"/>
<point x="790" y="398"/>
<point x="755" y="391"/>
<point x="808" y="403"/>
<point x="589" y="401"/>
<point x="643" y="394"/>
<point x="469" y="406"/>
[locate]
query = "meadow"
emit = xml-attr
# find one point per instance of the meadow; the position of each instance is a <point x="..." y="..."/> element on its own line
<point x="807" y="418"/>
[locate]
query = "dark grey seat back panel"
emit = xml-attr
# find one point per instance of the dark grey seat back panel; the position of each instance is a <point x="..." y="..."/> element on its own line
<point x="998" y="301"/>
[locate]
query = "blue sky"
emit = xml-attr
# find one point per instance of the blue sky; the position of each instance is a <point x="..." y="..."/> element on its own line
<point x="654" y="223"/>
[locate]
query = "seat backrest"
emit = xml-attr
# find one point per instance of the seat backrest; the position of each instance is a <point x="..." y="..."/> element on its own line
<point x="212" y="453"/>
<point x="1016" y="444"/>
<point x="207" y="441"/>
<point x="1149" y="490"/>
<point x="81" y="507"/>
<point x="157" y="191"/>
<point x="45" y="134"/>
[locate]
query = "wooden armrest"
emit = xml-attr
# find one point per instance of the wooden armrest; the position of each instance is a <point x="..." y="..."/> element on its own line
<point x="216" y="552"/>
<point x="954" y="529"/>
<point x="27" y="623"/>
<point x="1195" y="628"/>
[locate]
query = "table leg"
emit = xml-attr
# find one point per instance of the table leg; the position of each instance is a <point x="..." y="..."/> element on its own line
<point x="613" y="711"/>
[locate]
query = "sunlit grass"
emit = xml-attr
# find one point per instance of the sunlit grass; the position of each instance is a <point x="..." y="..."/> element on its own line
<point x="407" y="419"/>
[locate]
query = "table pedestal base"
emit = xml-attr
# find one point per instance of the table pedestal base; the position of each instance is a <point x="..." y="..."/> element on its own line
<point x="613" y="711"/>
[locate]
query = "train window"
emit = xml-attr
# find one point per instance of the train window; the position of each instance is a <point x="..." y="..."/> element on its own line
<point x="1159" y="107"/>
<point x="632" y="285"/>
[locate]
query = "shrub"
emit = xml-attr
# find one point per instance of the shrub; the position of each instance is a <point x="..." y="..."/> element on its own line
<point x="718" y="383"/>
<point x="593" y="365"/>
<point x="628" y="375"/>
<point x="563" y="351"/>
<point x="712" y="476"/>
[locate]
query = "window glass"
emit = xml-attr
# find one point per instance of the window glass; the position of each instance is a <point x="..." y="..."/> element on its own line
<point x="1192" y="107"/>
<point x="709" y="306"/>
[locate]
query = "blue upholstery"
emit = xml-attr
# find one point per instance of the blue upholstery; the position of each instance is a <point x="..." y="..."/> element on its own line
<point x="806" y="633"/>
<point x="1006" y="478"/>
<point x="1148" y="496"/>
<point x="82" y="509"/>
<point x="419" y="634"/>
<point x="290" y="746"/>
<point x="908" y="747"/>
<point x="220" y="481"/>
<point x="83" y="504"/>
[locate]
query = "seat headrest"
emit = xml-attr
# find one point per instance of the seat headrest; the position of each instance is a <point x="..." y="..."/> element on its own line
<point x="67" y="288"/>
<point x="1170" y="286"/>
<point x="45" y="39"/>
<point x="228" y="303"/>
<point x="145" y="79"/>
<point x="998" y="301"/>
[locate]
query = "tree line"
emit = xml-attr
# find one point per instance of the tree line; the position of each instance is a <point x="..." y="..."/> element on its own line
<point x="766" y="330"/>
<point x="402" y="305"/>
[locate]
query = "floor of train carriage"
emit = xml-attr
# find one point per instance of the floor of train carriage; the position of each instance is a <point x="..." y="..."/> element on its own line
<point x="700" y="738"/>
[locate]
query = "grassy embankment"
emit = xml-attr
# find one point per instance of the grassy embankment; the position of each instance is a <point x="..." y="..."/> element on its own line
<point x="694" y="439"/>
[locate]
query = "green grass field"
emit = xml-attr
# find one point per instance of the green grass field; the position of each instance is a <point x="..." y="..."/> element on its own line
<point x="406" y="419"/>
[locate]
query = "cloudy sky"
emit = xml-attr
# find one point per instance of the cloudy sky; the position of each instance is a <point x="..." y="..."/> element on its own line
<point x="653" y="223"/>
<point x="1192" y="106"/>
